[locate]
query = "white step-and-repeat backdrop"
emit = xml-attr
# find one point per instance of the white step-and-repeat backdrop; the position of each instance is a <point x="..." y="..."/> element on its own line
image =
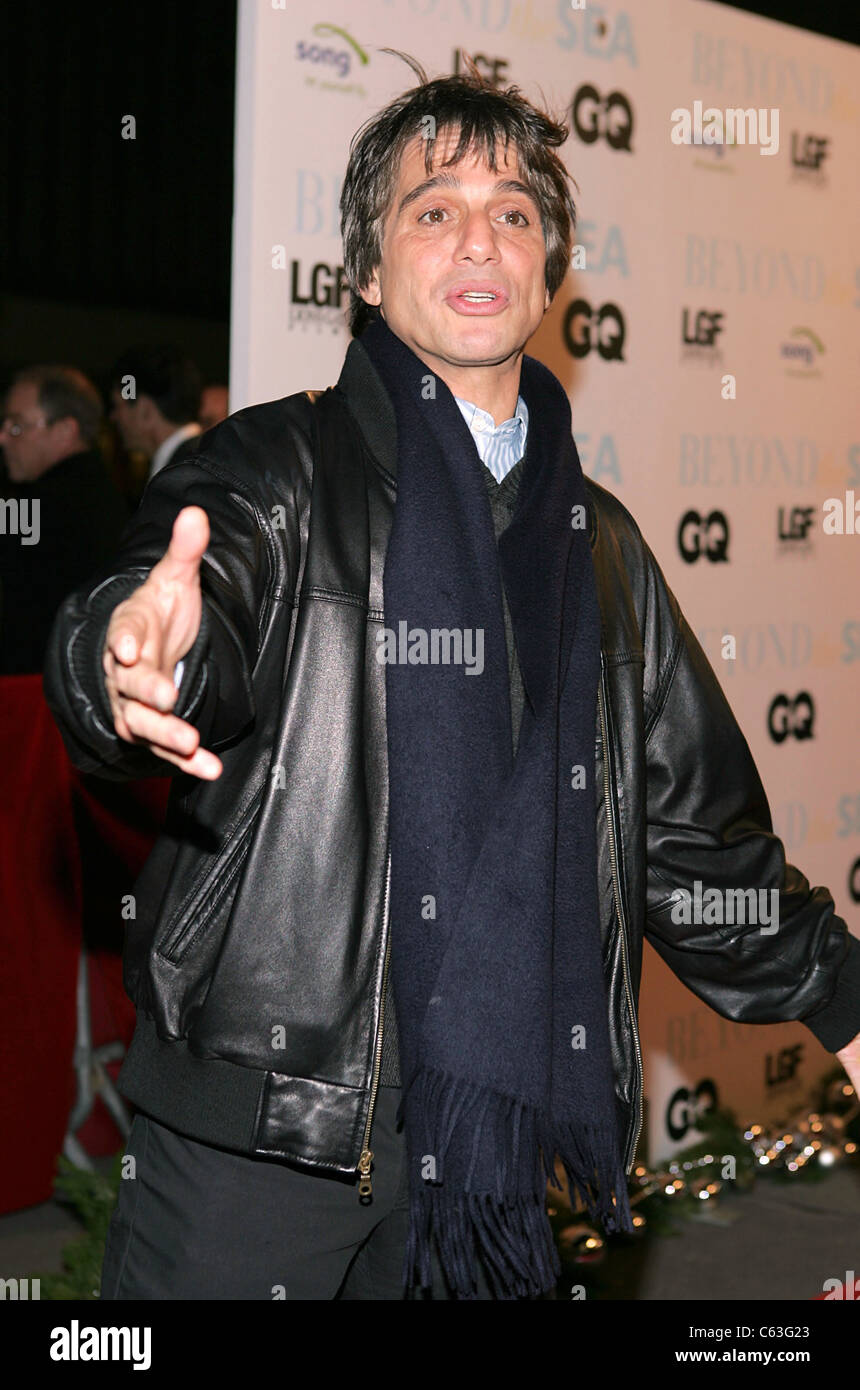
<point x="709" y="337"/>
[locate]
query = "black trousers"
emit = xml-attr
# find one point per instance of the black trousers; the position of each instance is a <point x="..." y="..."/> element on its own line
<point x="200" y="1222"/>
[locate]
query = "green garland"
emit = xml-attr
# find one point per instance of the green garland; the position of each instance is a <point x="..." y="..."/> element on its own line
<point x="696" y="1169"/>
<point x="806" y="1147"/>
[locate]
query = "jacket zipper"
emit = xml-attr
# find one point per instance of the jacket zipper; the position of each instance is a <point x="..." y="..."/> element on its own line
<point x="621" y="920"/>
<point x="365" y="1186"/>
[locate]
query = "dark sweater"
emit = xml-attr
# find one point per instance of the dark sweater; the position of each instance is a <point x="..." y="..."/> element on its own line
<point x="503" y="497"/>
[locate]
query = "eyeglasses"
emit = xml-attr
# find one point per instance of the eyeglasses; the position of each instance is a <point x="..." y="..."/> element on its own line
<point x="16" y="427"/>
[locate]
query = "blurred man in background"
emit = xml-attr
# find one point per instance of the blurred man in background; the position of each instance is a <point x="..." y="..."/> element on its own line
<point x="61" y="513"/>
<point x="214" y="405"/>
<point x="155" y="396"/>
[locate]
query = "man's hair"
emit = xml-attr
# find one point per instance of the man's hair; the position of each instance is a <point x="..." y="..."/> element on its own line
<point x="484" y="116"/>
<point x="164" y="374"/>
<point x="63" y="392"/>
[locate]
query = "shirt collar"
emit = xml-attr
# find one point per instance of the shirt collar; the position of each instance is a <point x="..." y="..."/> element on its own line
<point x="499" y="447"/>
<point x="481" y="421"/>
<point x="167" y="446"/>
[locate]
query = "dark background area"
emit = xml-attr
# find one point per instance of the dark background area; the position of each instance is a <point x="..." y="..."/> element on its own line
<point x="108" y="241"/>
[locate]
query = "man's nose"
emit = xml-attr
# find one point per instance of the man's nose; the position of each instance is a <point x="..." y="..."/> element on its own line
<point x="478" y="236"/>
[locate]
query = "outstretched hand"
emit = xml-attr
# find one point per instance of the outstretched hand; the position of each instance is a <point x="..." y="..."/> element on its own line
<point x="148" y="633"/>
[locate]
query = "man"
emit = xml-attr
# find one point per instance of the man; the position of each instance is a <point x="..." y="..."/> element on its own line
<point x="441" y="766"/>
<point x="214" y="405"/>
<point x="155" y="395"/>
<point x="62" y="513"/>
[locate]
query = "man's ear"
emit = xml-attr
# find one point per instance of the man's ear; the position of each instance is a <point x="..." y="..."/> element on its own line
<point x="371" y="293"/>
<point x="547" y="300"/>
<point x="69" y="433"/>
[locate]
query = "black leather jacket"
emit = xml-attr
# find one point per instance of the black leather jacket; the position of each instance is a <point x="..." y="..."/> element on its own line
<point x="257" y="956"/>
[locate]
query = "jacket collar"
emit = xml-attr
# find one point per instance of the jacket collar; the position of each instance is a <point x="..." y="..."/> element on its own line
<point x="371" y="407"/>
<point x="369" y="403"/>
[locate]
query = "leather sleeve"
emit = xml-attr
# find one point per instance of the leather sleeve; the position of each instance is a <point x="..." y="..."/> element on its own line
<point x="708" y="819"/>
<point x="216" y="694"/>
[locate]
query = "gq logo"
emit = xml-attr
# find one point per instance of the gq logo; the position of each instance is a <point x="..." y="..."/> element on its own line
<point x="609" y="117"/>
<point x="704" y="536"/>
<point x="686" y="1108"/>
<point x="793" y="718"/>
<point x="585" y="328"/>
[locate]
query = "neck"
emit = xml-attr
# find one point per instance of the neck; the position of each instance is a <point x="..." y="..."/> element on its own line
<point x="492" y="387"/>
<point x="160" y="432"/>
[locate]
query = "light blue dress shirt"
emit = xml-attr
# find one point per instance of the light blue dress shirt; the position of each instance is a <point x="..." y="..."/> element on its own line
<point x="499" y="446"/>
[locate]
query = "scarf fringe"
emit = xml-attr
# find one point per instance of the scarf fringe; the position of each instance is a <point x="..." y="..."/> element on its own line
<point x="507" y="1228"/>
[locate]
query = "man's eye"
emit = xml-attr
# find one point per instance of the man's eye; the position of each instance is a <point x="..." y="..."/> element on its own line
<point x="515" y="212"/>
<point x="429" y="211"/>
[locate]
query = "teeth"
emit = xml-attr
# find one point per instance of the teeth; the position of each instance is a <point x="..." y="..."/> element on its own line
<point x="476" y="294"/>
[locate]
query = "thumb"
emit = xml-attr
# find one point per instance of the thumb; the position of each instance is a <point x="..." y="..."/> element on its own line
<point x="188" y="542"/>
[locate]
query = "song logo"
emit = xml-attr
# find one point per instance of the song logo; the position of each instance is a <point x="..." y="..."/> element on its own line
<point x="802" y="347"/>
<point x="338" y="60"/>
<point x="598" y="117"/>
<point x="787" y="718"/>
<point x="686" y="1108"/>
<point x="706" y="537"/>
<point x="584" y="328"/>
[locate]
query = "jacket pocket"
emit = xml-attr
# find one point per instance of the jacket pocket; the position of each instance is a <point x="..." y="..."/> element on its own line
<point x="201" y="908"/>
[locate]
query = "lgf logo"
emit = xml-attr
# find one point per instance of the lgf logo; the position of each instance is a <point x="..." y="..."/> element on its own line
<point x="791" y="717"/>
<point x="808" y="152"/>
<point x="781" y="1066"/>
<point x="326" y="289"/>
<point x="686" y="1108"/>
<point x="610" y="117"/>
<point x="708" y="325"/>
<point x="316" y="297"/>
<point x="21" y="1289"/>
<point x="584" y="328"/>
<point x="704" y="536"/>
<point x="495" y="69"/>
<point x="794" y="523"/>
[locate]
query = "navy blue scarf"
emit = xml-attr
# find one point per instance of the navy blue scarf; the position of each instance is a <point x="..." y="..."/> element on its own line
<point x="495" y="950"/>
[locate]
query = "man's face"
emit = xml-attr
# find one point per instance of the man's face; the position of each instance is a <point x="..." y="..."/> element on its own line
<point x="213" y="406"/>
<point x="130" y="418"/>
<point x="462" y="229"/>
<point x="39" y="445"/>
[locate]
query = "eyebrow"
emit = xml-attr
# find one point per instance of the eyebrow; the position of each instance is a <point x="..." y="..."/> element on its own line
<point x="445" y="179"/>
